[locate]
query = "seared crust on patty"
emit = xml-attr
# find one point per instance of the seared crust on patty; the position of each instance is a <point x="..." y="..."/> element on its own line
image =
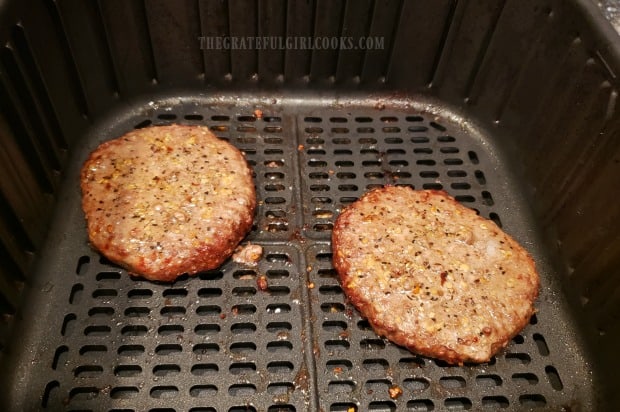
<point x="433" y="276"/>
<point x="167" y="200"/>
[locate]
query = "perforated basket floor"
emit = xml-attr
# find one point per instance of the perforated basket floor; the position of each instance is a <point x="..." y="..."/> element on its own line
<point x="217" y="342"/>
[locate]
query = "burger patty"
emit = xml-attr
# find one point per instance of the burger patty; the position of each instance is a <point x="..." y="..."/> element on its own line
<point x="168" y="200"/>
<point x="433" y="276"/>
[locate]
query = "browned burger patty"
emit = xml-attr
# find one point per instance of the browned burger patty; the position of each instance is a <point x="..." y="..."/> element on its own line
<point x="168" y="200"/>
<point x="431" y="275"/>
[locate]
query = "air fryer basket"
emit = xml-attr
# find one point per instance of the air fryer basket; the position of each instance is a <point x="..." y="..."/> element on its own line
<point x="508" y="105"/>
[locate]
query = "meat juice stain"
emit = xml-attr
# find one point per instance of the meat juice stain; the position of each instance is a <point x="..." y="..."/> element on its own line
<point x="297" y="236"/>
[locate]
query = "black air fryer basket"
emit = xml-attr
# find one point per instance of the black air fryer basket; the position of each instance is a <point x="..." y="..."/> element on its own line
<point x="509" y="105"/>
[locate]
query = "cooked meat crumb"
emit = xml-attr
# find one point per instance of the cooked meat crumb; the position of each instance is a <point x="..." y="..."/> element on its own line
<point x="248" y="254"/>
<point x="395" y="391"/>
<point x="262" y="283"/>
